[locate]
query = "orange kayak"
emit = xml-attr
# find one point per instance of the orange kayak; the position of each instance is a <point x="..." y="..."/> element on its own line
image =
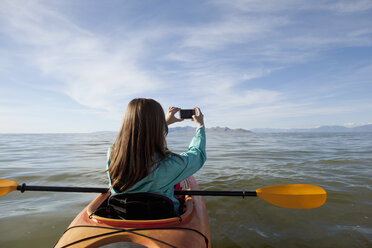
<point x="191" y="229"/>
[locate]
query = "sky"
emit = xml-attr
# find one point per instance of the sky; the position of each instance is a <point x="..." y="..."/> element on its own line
<point x="73" y="65"/>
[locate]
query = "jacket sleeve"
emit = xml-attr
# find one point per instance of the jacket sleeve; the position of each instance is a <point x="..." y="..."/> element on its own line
<point x="192" y="160"/>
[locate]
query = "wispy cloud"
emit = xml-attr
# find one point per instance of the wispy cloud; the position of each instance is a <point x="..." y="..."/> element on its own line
<point x="231" y="30"/>
<point x="272" y="6"/>
<point x="215" y="62"/>
<point x="90" y="68"/>
<point x="292" y="26"/>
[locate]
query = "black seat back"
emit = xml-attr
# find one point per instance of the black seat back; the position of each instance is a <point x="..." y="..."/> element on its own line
<point x="141" y="206"/>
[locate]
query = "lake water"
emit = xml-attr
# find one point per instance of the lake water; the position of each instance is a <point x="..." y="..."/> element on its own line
<point x="341" y="163"/>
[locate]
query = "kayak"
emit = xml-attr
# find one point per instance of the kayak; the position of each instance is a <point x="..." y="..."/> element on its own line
<point x="191" y="229"/>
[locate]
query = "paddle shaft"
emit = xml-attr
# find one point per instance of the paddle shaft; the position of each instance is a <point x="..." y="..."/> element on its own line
<point x="25" y="187"/>
<point x="215" y="193"/>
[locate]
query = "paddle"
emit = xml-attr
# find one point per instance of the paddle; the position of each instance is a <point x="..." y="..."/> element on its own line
<point x="297" y="196"/>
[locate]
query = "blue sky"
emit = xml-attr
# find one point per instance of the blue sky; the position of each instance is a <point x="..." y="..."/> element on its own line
<point x="73" y="66"/>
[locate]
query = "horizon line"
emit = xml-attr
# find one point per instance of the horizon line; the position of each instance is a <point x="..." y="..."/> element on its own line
<point x="266" y="128"/>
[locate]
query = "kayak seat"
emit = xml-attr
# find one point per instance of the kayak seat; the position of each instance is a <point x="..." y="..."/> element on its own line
<point x="140" y="206"/>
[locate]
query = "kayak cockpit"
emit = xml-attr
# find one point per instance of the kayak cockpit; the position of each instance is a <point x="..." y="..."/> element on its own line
<point x="138" y="206"/>
<point x="100" y="211"/>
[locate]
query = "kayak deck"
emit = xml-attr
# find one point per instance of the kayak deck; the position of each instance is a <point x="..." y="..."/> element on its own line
<point x="191" y="229"/>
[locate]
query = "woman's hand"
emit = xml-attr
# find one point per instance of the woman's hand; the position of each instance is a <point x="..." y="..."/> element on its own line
<point x="170" y="118"/>
<point x="198" y="117"/>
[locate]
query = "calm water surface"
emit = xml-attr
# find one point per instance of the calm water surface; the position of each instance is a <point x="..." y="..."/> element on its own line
<point x="341" y="163"/>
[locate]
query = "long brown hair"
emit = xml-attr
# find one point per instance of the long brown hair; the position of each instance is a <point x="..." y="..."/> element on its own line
<point x="141" y="138"/>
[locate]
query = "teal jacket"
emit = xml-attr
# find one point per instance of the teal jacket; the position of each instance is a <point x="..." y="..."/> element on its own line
<point x="172" y="169"/>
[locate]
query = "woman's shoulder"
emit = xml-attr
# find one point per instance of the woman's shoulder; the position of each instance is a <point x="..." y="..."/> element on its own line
<point x="173" y="158"/>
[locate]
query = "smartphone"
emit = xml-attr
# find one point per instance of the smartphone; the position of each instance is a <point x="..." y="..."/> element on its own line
<point x="187" y="113"/>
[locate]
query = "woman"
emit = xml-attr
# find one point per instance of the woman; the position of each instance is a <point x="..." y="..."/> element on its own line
<point x="139" y="160"/>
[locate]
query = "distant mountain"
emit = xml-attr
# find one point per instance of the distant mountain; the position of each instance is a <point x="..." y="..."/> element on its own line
<point x="332" y="129"/>
<point x="322" y="129"/>
<point x="227" y="130"/>
<point x="181" y="129"/>
<point x="211" y="129"/>
<point x="365" y="128"/>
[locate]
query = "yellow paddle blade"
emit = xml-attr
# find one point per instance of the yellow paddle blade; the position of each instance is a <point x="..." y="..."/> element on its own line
<point x="297" y="196"/>
<point x="7" y="186"/>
